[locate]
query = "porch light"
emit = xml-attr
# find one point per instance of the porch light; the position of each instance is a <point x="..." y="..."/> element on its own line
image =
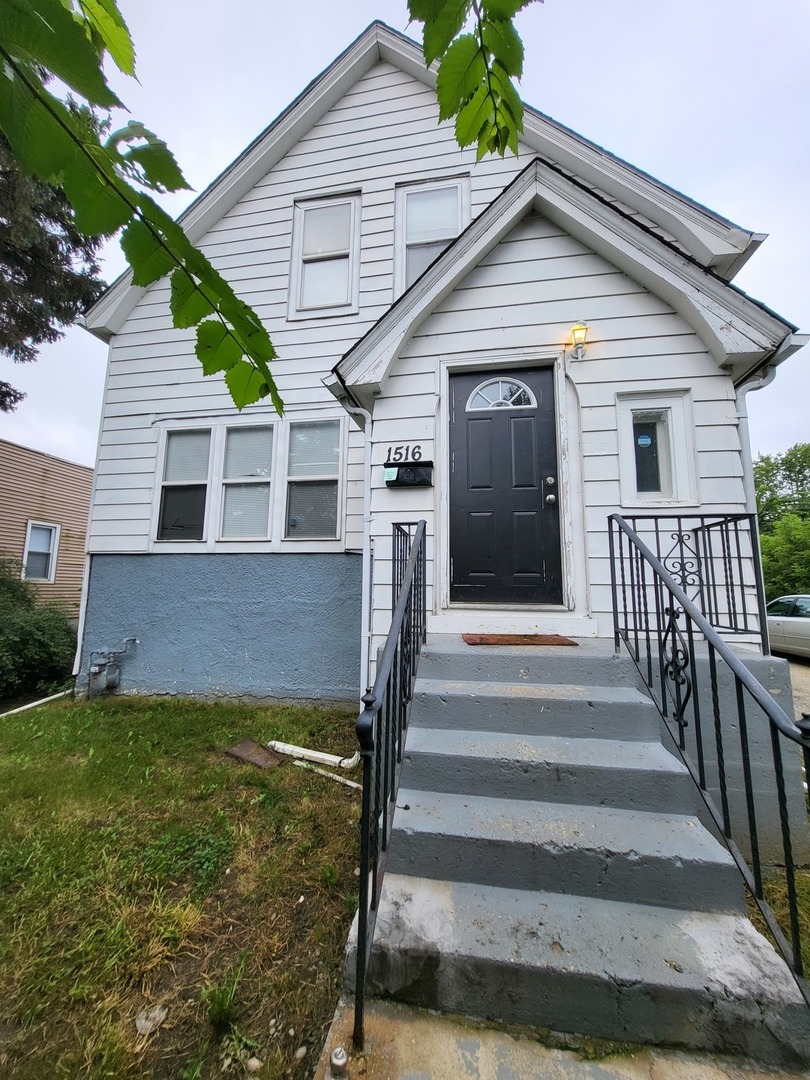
<point x="578" y="333"/>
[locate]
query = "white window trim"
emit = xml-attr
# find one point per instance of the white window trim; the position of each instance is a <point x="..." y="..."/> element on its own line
<point x="295" y="309"/>
<point x="57" y="530"/>
<point x="276" y="541"/>
<point x="462" y="185"/>
<point x="682" y="451"/>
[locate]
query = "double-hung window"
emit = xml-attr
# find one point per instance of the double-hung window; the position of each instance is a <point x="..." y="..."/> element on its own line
<point x="325" y="263"/>
<point x="246" y="483"/>
<point x="312" y="479"/>
<point x="428" y="218"/>
<point x="41" y="549"/>
<point x="185" y="486"/>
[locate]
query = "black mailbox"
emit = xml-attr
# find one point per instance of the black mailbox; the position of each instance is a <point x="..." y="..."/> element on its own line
<point x="409" y="474"/>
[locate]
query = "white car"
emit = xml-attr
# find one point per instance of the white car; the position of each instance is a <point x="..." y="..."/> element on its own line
<point x="789" y="625"/>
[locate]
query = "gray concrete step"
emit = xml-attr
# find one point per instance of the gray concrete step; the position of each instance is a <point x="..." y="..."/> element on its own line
<point x="590" y="660"/>
<point x="595" y="772"/>
<point x="573" y="710"/>
<point x="596" y="851"/>
<point x="647" y="974"/>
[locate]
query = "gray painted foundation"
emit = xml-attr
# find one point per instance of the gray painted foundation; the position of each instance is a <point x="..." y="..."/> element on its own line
<point x="265" y="626"/>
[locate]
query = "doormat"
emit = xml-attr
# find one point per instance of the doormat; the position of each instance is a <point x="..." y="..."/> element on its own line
<point x="517" y="639"/>
<point x="255" y="754"/>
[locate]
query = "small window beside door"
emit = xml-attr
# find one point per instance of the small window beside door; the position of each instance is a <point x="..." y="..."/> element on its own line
<point x="657" y="463"/>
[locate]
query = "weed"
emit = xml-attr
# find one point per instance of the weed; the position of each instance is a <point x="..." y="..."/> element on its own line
<point x="219" y="997"/>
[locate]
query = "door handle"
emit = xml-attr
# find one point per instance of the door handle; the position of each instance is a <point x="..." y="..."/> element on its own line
<point x="551" y="499"/>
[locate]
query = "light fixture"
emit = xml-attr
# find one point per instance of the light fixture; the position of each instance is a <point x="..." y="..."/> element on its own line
<point x="578" y="334"/>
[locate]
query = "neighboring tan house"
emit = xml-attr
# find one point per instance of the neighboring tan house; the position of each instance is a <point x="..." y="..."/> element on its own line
<point x="44" y="504"/>
<point x="403" y="284"/>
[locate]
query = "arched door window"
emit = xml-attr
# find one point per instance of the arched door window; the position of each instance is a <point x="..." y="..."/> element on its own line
<point x="501" y="394"/>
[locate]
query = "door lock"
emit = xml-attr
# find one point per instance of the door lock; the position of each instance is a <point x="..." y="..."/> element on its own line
<point x="550" y="481"/>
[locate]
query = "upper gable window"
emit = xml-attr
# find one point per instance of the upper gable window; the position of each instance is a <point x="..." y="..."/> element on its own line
<point x="325" y="262"/>
<point x="428" y="218"/>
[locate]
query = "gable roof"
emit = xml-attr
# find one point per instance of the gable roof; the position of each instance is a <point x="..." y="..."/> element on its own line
<point x="741" y="333"/>
<point x="709" y="239"/>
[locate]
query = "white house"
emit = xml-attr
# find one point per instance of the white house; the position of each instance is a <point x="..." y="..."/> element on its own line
<point x="421" y="306"/>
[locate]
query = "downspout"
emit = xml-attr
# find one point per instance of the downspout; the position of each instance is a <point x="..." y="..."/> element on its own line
<point x="757" y="383"/>
<point x="365" y="617"/>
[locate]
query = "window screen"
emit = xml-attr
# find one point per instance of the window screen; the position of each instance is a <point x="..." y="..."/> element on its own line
<point x="185" y="476"/>
<point x="312" y="502"/>
<point x="246" y="483"/>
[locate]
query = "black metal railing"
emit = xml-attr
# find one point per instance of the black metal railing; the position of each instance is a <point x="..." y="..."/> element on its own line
<point x="742" y="749"/>
<point x="381" y="729"/>
<point x="715" y="560"/>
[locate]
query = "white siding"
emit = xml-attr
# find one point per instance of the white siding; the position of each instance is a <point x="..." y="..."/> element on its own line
<point x="382" y="132"/>
<point x="524" y="296"/>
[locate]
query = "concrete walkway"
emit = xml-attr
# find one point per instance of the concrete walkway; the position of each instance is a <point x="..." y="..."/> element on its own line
<point x="404" y="1043"/>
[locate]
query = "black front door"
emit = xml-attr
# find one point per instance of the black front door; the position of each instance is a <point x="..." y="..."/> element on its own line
<point x="504" y="488"/>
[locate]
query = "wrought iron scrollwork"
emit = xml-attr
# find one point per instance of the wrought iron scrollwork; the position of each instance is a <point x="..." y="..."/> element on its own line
<point x="675" y="654"/>
<point x="683" y="562"/>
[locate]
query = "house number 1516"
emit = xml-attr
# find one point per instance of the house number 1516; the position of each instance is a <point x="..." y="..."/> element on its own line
<point x="404" y="453"/>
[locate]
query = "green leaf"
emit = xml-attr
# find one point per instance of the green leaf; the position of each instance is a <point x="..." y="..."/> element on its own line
<point x="108" y="23"/>
<point x="45" y="32"/>
<point x="145" y="253"/>
<point x="504" y="10"/>
<point x="246" y="384"/>
<point x="188" y="303"/>
<point x="473" y="116"/>
<point x="54" y="143"/>
<point x="151" y="162"/>
<point x="461" y="71"/>
<point x="216" y="348"/>
<point x="505" y="45"/>
<point x="442" y="26"/>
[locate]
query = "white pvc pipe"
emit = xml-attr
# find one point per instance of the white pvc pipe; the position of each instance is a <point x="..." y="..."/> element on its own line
<point x="33" y="704"/>
<point x="331" y="775"/>
<point x="315" y="755"/>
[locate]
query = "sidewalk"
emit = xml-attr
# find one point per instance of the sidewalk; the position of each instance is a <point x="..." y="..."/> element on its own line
<point x="404" y="1043"/>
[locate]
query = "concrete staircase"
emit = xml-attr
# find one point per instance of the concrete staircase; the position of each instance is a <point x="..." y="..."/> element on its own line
<point x="547" y="866"/>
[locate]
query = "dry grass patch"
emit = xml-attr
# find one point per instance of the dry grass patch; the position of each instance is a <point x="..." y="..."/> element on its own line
<point x="140" y="867"/>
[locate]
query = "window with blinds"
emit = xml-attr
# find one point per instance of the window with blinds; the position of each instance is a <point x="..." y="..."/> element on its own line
<point x="249" y="483"/>
<point x="185" y="486"/>
<point x="246" y="483"/>
<point x="312" y="479"/>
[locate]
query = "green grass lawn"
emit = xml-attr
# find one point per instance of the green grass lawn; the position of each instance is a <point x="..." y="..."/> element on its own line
<point x="140" y="867"/>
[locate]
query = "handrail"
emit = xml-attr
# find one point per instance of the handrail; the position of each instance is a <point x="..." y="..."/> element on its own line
<point x="381" y="728"/>
<point x="657" y="616"/>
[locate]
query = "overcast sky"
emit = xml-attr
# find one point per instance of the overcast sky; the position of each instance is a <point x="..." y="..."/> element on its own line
<point x="709" y="96"/>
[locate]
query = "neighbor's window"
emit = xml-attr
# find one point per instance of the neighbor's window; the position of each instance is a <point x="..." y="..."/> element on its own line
<point x="185" y="486"/>
<point x="324" y="272"/>
<point x="656" y="448"/>
<point x="246" y="483"/>
<point x="312" y="479"/>
<point x="41" y="547"/>
<point x="428" y="218"/>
